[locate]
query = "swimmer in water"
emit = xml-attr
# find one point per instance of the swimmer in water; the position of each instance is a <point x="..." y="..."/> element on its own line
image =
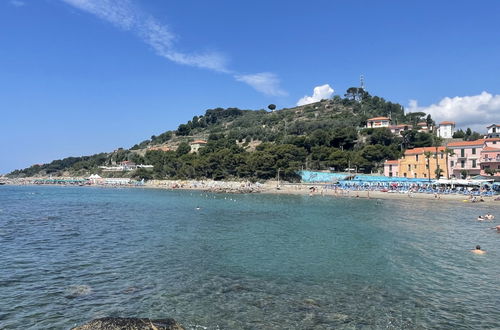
<point x="198" y="208"/>
<point x="489" y="216"/>
<point x="478" y="250"/>
<point x="480" y="218"/>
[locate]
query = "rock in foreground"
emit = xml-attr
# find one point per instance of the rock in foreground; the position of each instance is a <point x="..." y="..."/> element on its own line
<point x="118" y="323"/>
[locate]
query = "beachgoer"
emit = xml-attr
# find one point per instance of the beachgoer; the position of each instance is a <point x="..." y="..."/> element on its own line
<point x="478" y="250"/>
<point x="480" y="218"/>
<point x="489" y="216"/>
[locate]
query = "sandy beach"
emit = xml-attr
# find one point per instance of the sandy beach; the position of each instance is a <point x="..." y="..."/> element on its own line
<point x="284" y="188"/>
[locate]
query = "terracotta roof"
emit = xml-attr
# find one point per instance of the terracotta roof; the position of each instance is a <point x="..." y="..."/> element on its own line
<point x="494" y="125"/>
<point x="400" y="125"/>
<point x="199" y="142"/>
<point x="490" y="149"/>
<point x="422" y="124"/>
<point x="378" y="118"/>
<point x="491" y="139"/>
<point x="466" y="143"/>
<point x="391" y="161"/>
<point x="417" y="151"/>
<point x="447" y="123"/>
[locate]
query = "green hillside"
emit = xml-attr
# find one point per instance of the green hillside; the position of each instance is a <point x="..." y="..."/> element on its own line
<point x="255" y="144"/>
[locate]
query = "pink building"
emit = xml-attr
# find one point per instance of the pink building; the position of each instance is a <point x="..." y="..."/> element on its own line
<point x="490" y="159"/>
<point x="466" y="157"/>
<point x="391" y="168"/>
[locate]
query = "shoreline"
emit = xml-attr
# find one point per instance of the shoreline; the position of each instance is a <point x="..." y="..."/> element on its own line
<point x="271" y="187"/>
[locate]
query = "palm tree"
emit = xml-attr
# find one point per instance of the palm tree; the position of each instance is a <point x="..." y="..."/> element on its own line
<point x="428" y="156"/>
<point x="448" y="152"/>
<point x="438" y="170"/>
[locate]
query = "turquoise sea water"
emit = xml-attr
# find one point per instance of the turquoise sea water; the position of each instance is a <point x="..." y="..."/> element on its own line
<point x="71" y="254"/>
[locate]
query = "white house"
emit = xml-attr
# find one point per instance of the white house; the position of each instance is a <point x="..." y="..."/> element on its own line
<point x="377" y="122"/>
<point x="446" y="129"/>
<point x="493" y="131"/>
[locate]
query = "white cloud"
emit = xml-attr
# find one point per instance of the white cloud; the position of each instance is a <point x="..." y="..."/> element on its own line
<point x="319" y="93"/>
<point x="476" y="112"/>
<point x="123" y="14"/>
<point x="264" y="82"/>
<point x="17" y="3"/>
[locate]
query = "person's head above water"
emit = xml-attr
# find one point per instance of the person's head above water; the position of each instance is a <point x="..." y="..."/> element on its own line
<point x="478" y="247"/>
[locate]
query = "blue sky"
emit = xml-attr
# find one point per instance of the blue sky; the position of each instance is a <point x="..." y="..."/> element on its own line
<point x="84" y="76"/>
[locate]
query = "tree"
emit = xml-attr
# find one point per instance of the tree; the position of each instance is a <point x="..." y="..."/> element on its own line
<point x="438" y="173"/>
<point x="490" y="171"/>
<point x="183" y="149"/>
<point x="428" y="156"/>
<point x="271" y="107"/>
<point x="448" y="152"/>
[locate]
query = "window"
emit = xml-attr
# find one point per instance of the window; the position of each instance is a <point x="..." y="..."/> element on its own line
<point x="415" y="175"/>
<point x="473" y="151"/>
<point x="416" y="158"/>
<point x="426" y="166"/>
<point x="462" y="162"/>
<point x="390" y="168"/>
<point x="409" y="167"/>
<point x="462" y="152"/>
<point x="474" y="163"/>
<point x="415" y="166"/>
<point x="452" y="163"/>
<point x="425" y="175"/>
<point x="442" y="155"/>
<point x="404" y="174"/>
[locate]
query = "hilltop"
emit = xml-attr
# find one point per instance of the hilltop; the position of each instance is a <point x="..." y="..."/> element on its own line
<point x="256" y="144"/>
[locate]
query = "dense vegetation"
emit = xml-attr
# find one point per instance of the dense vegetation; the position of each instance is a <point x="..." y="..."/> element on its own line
<point x="256" y="145"/>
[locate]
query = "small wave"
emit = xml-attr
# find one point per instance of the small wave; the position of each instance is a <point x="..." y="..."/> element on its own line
<point x="78" y="291"/>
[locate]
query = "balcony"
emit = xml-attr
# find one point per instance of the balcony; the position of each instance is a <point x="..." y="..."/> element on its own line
<point x="490" y="160"/>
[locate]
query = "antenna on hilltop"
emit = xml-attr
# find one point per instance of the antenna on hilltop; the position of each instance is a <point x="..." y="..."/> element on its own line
<point x="362" y="82"/>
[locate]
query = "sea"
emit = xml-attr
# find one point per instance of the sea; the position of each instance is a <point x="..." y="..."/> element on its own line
<point x="227" y="261"/>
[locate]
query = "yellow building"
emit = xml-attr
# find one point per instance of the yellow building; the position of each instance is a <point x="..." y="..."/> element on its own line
<point x="414" y="163"/>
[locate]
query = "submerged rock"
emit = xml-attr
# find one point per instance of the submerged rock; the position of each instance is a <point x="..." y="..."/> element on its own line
<point x="118" y="323"/>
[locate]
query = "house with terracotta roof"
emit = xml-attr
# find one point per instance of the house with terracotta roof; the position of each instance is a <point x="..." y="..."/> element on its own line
<point x="197" y="144"/>
<point x="378" y="122"/>
<point x="415" y="164"/>
<point x="493" y="131"/>
<point x="446" y="129"/>
<point x="398" y="129"/>
<point x="490" y="159"/>
<point x="465" y="157"/>
<point x="423" y="127"/>
<point x="391" y="168"/>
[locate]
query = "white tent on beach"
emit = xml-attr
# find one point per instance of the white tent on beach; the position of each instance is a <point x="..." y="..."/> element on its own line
<point x="95" y="179"/>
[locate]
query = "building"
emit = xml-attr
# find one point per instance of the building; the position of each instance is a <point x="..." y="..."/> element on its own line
<point x="490" y="159"/>
<point x="197" y="144"/>
<point x="160" y="147"/>
<point x="398" y="129"/>
<point x="378" y="122"/>
<point x="446" y="129"/>
<point x="423" y="127"/>
<point x="465" y="158"/>
<point x="493" y="131"/>
<point x="391" y="168"/>
<point x="415" y="164"/>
